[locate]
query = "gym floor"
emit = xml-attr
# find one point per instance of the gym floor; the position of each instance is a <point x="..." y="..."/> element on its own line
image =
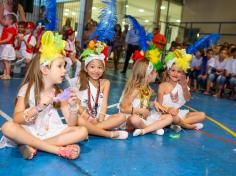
<point x="210" y="151"/>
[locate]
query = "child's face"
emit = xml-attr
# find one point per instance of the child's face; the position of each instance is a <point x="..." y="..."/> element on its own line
<point x="198" y="54"/>
<point x="223" y="54"/>
<point x="95" y="69"/>
<point x="209" y="54"/>
<point x="175" y="73"/>
<point x="8" y="21"/>
<point x="28" y="31"/>
<point x="57" y="71"/>
<point x="152" y="76"/>
<point x="21" y="29"/>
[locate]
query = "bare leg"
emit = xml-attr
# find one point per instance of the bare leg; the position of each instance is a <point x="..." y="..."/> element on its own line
<point x="164" y="121"/>
<point x="94" y="130"/>
<point x="70" y="135"/>
<point x="194" y="117"/>
<point x="113" y="121"/>
<point x="21" y="136"/>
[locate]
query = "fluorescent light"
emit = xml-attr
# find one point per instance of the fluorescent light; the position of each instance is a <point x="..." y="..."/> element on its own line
<point x="198" y="35"/>
<point x="67" y="10"/>
<point x="163" y="7"/>
<point x="146" y="21"/>
<point x="94" y="8"/>
<point x="178" y="21"/>
<point x="126" y="6"/>
<point x="123" y="22"/>
<point x="73" y="13"/>
<point x="141" y="10"/>
<point x="66" y="14"/>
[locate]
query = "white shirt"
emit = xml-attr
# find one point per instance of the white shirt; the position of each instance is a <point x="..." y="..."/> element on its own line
<point x="220" y="64"/>
<point x="196" y="62"/>
<point x="231" y="66"/>
<point x="32" y="42"/>
<point x="211" y="62"/>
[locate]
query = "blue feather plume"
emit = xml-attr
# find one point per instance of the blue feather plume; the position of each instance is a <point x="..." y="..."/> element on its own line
<point x="141" y="32"/>
<point x="107" y="21"/>
<point x="51" y="14"/>
<point x="204" y="42"/>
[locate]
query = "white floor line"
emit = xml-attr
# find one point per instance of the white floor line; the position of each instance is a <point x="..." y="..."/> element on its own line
<point x="4" y="115"/>
<point x="113" y="105"/>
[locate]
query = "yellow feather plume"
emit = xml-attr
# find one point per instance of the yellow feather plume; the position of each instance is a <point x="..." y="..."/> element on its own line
<point x="52" y="46"/>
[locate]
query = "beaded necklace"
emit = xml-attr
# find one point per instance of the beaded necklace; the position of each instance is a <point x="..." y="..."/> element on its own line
<point x="93" y="110"/>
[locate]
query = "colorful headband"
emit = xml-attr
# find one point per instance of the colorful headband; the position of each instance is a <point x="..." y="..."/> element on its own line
<point x="52" y="47"/>
<point x="180" y="58"/>
<point x="95" y="50"/>
<point x="152" y="55"/>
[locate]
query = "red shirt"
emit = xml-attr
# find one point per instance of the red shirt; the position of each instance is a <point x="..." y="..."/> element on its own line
<point x="157" y="39"/>
<point x="6" y="31"/>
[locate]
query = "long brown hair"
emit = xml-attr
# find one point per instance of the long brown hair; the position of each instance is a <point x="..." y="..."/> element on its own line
<point x="137" y="78"/>
<point x="34" y="77"/>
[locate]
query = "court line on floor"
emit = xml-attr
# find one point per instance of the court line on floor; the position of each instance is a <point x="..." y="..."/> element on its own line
<point x="215" y="121"/>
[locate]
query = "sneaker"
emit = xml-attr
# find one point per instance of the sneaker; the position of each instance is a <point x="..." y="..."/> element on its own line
<point x="138" y="132"/>
<point x="122" y="135"/>
<point x="198" y="126"/>
<point x="159" y="132"/>
<point x="176" y="128"/>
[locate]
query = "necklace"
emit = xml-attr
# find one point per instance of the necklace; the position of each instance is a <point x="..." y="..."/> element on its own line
<point x="145" y="93"/>
<point x="174" y="97"/>
<point x="93" y="110"/>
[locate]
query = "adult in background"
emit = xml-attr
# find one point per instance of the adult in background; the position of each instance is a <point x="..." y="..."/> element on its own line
<point x="10" y="6"/>
<point x="158" y="39"/>
<point x="117" y="45"/>
<point x="67" y="27"/>
<point x="131" y="44"/>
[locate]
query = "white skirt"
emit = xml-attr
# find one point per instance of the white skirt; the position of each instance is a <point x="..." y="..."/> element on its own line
<point x="7" y="52"/>
<point x="5" y="142"/>
<point x="153" y="117"/>
<point x="182" y="113"/>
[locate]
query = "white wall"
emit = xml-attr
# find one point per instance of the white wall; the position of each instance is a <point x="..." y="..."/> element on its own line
<point x="212" y="11"/>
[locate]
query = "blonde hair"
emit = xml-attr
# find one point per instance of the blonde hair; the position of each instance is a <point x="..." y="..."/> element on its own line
<point x="34" y="77"/>
<point x="138" y="77"/>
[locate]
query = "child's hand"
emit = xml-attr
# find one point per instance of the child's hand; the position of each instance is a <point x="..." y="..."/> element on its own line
<point x="144" y="112"/>
<point x="173" y="111"/>
<point x="183" y="80"/>
<point x="73" y="97"/>
<point x="160" y="108"/>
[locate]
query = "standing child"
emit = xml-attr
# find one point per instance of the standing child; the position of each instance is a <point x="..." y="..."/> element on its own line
<point x="93" y="92"/>
<point x="135" y="102"/>
<point x="28" y="43"/>
<point x="36" y="123"/>
<point x="7" y="52"/>
<point x="174" y="92"/>
<point x="71" y="54"/>
<point x="19" y="36"/>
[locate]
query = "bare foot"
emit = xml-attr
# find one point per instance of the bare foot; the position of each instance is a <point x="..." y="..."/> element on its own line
<point x="27" y="151"/>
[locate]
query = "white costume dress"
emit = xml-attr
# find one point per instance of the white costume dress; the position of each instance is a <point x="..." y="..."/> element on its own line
<point x="48" y="123"/>
<point x="180" y="101"/>
<point x="83" y="96"/>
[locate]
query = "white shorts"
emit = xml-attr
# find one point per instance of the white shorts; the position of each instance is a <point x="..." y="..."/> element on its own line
<point x="182" y="113"/>
<point x="7" y="52"/>
<point x="154" y="116"/>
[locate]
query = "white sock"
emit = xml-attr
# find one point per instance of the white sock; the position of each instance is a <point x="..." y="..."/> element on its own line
<point x="137" y="132"/>
<point x="198" y="126"/>
<point x="159" y="132"/>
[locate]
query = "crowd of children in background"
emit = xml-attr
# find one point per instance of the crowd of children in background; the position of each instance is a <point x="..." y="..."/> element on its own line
<point x="213" y="70"/>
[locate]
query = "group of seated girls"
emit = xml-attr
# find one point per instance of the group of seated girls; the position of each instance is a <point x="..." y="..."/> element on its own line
<point x="36" y="124"/>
